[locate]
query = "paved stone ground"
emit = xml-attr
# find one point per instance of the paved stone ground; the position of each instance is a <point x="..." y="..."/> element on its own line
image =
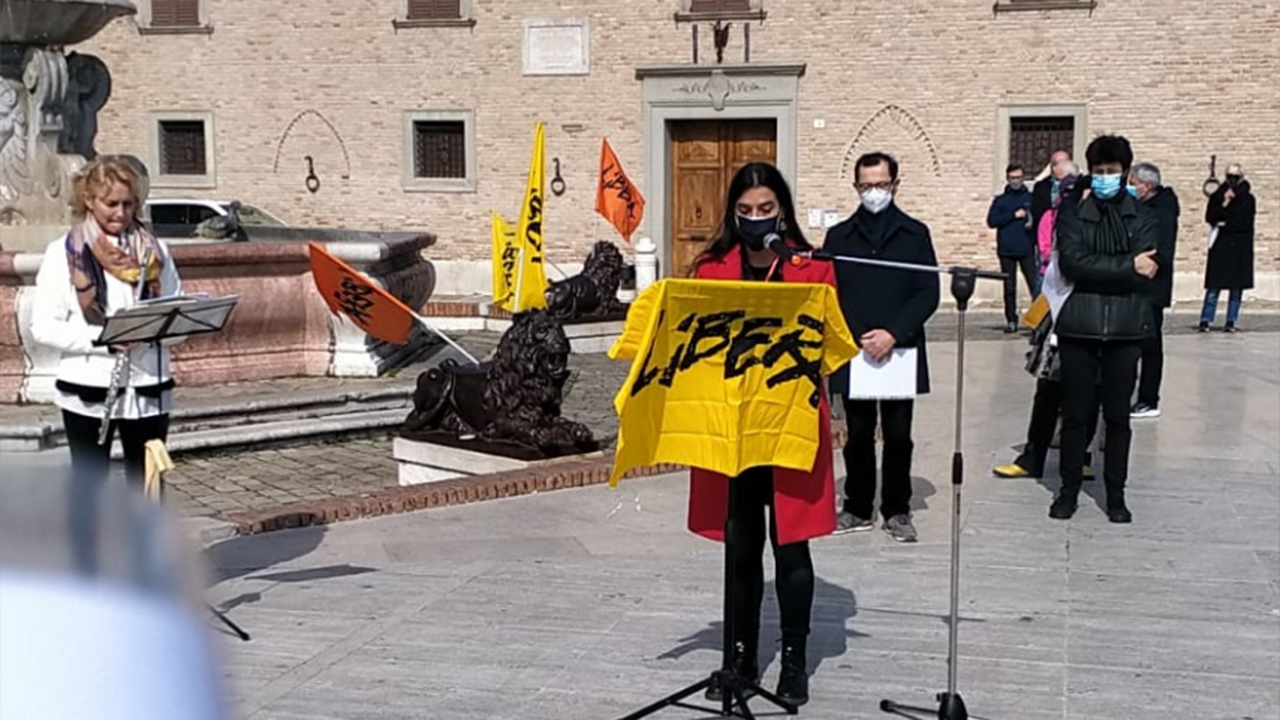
<point x="589" y="603"/>
<point x="257" y="479"/>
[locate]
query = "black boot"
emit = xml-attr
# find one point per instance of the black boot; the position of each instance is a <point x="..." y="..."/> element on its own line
<point x="1064" y="506"/>
<point x="746" y="665"/>
<point x="793" y="681"/>
<point x="1117" y="510"/>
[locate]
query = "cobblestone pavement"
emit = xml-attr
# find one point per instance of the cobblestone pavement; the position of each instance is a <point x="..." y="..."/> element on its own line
<point x="247" y="480"/>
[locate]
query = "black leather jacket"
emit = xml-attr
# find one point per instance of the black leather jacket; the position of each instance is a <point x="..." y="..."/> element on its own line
<point x="1111" y="301"/>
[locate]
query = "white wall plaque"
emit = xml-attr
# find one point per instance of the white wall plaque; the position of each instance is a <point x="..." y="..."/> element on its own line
<point x="557" y="47"/>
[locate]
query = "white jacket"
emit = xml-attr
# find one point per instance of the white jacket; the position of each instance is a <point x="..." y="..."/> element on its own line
<point x="58" y="321"/>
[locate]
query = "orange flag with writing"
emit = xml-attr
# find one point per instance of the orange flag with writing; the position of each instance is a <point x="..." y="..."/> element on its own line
<point x="617" y="198"/>
<point x="348" y="292"/>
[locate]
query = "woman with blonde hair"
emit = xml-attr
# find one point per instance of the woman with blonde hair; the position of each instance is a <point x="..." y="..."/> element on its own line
<point x="107" y="262"/>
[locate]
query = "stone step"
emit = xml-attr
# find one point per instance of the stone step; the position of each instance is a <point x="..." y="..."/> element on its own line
<point x="196" y="425"/>
<point x="267" y="434"/>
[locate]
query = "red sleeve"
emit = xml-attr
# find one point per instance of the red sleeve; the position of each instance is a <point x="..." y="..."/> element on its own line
<point x="826" y="272"/>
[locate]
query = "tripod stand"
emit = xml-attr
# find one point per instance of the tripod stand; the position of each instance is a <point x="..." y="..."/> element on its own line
<point x="734" y="689"/>
<point x="950" y="705"/>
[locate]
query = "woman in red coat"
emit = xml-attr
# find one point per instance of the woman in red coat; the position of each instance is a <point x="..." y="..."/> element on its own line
<point x="801" y="505"/>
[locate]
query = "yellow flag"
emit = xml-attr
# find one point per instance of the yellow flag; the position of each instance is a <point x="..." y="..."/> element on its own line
<point x="506" y="259"/>
<point x="1037" y="312"/>
<point x="726" y="375"/>
<point x="531" y="279"/>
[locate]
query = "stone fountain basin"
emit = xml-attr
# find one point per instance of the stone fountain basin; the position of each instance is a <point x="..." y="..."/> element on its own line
<point x="57" y="22"/>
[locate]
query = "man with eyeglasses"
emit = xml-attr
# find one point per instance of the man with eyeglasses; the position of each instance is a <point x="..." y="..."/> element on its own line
<point x="1010" y="217"/>
<point x="886" y="309"/>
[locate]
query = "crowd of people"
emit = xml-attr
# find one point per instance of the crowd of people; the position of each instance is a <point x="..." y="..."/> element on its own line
<point x="1099" y="246"/>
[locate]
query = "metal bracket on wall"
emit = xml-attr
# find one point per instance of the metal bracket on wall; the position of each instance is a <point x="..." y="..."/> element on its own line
<point x="557" y="182"/>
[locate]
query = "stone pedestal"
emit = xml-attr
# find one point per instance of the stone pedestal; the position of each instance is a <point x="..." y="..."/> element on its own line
<point x="593" y="337"/>
<point x="424" y="462"/>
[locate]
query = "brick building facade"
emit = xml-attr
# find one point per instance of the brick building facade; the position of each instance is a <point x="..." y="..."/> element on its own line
<point x="413" y="121"/>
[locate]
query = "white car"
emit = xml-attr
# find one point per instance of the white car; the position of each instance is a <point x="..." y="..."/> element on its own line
<point x="177" y="218"/>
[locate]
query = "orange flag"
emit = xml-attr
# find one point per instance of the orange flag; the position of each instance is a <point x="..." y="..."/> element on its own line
<point x="348" y="292"/>
<point x="617" y="198"/>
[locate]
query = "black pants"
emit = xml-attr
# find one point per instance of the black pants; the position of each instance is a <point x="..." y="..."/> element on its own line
<point x="90" y="467"/>
<point x="749" y="495"/>
<point x="860" y="457"/>
<point x="1152" y="364"/>
<point x="1030" y="272"/>
<point x="1082" y="360"/>
<point x="1046" y="408"/>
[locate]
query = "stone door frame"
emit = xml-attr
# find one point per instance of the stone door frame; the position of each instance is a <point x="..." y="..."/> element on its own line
<point x="711" y="92"/>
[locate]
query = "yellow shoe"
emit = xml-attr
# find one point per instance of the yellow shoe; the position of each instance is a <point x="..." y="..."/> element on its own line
<point x="1012" y="470"/>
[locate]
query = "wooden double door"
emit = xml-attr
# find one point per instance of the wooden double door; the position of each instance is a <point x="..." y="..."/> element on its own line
<point x="704" y="156"/>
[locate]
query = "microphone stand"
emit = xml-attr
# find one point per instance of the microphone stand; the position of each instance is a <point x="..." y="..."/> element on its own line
<point x="963" y="280"/>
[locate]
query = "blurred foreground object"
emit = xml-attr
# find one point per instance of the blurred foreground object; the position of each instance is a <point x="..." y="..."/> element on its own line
<point x="124" y="636"/>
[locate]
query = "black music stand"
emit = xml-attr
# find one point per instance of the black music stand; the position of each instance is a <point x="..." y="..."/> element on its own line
<point x="734" y="690"/>
<point x="171" y="318"/>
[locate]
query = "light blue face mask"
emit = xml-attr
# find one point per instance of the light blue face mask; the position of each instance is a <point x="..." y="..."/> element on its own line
<point x="1132" y="190"/>
<point x="1105" y="186"/>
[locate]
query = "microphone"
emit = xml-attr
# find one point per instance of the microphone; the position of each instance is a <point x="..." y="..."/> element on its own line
<point x="774" y="242"/>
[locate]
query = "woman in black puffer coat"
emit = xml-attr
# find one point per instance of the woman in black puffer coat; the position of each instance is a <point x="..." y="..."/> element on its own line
<point x="1106" y="249"/>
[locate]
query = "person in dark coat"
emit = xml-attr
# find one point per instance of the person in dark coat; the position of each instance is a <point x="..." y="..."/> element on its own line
<point x="1231" y="209"/>
<point x="1107" y="251"/>
<point x="1044" y="197"/>
<point x="1161" y="201"/>
<point x="886" y="309"/>
<point x="1010" y="217"/>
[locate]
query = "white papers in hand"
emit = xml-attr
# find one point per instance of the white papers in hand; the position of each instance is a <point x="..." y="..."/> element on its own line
<point x="893" y="379"/>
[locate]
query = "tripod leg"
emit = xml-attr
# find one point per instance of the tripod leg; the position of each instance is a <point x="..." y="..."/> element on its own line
<point x="239" y="631"/>
<point x="914" y="712"/>
<point x="669" y="700"/>
<point x="743" y="708"/>
<point x="757" y="691"/>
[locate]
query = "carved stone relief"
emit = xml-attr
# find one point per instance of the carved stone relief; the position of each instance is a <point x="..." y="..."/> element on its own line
<point x="48" y="122"/>
<point x="719" y="88"/>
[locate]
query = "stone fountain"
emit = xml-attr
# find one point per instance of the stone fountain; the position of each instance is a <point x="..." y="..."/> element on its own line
<point x="49" y="102"/>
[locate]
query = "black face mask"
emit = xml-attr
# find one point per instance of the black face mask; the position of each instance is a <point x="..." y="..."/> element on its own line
<point x="1234" y="180"/>
<point x="755" y="230"/>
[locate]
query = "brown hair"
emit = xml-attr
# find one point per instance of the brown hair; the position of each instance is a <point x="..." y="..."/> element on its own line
<point x="97" y="176"/>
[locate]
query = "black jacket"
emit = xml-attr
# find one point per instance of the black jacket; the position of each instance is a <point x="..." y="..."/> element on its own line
<point x="1041" y="200"/>
<point x="871" y="298"/>
<point x="1163" y="204"/>
<point x="1014" y="237"/>
<point x="1230" y="265"/>
<point x="1110" y="300"/>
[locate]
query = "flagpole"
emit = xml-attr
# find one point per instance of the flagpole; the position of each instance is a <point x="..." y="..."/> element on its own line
<point x="423" y="322"/>
<point x="519" y="281"/>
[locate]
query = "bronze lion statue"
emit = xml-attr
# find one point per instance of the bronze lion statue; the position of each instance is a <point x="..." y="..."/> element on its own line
<point x="512" y="398"/>
<point x="593" y="293"/>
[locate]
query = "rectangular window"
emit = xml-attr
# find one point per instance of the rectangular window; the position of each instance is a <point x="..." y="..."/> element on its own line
<point x="713" y="6"/>
<point x="1033" y="139"/>
<point x="439" y="149"/>
<point x="433" y="10"/>
<point x="1040" y="5"/>
<point x="182" y="148"/>
<point x="175" y="13"/>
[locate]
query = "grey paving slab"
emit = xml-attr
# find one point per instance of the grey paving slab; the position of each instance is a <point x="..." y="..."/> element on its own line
<point x="589" y="603"/>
